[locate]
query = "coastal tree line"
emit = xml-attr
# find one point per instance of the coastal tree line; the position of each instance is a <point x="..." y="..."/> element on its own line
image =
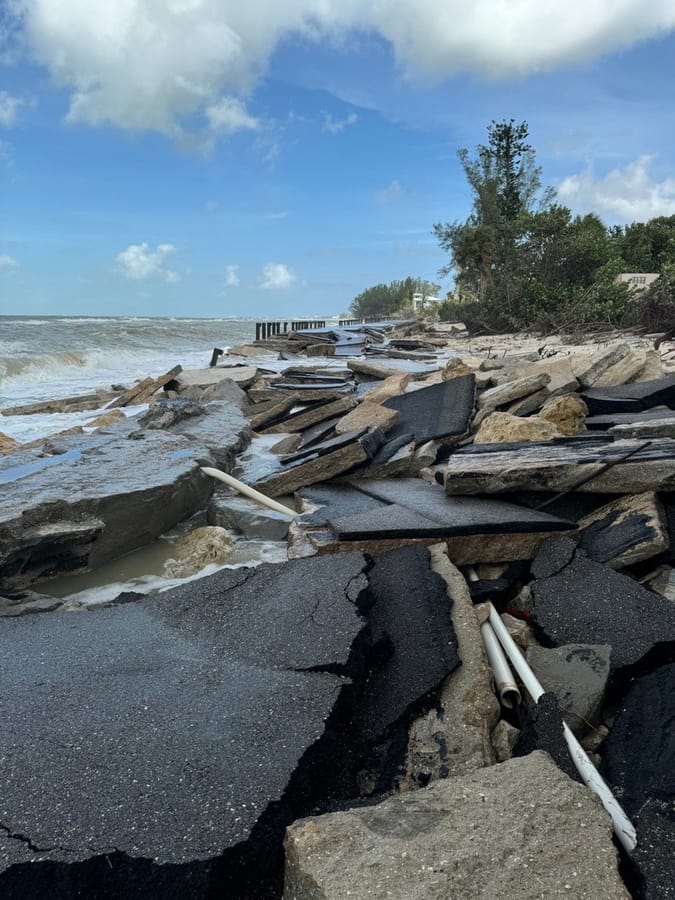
<point x="523" y="261"/>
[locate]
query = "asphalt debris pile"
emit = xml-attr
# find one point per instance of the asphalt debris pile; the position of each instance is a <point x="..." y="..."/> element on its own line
<point x="344" y="698"/>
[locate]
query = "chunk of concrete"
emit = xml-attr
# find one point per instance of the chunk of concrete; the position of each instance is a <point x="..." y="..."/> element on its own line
<point x="367" y="414"/>
<point x="577" y="600"/>
<point x="453" y="738"/>
<point x="624" y="370"/>
<point x="256" y="522"/>
<point x="588" y="370"/>
<point x="392" y="386"/>
<point x="322" y="462"/>
<point x="626" y="531"/>
<point x="241" y="375"/>
<point x="560" y="465"/>
<point x="97" y="497"/>
<point x="312" y="415"/>
<point x="520" y="829"/>
<point x="512" y="390"/>
<point x="577" y="675"/>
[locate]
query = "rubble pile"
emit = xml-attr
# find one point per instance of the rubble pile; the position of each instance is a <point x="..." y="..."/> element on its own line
<point x="345" y="697"/>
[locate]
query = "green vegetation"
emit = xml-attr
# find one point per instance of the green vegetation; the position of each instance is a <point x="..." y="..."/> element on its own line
<point x="521" y="261"/>
<point x="384" y="300"/>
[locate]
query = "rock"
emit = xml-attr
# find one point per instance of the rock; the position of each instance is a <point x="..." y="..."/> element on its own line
<point x="453" y="738"/>
<point x="255" y="521"/>
<point x="109" y="418"/>
<point x="512" y="390"/>
<point x="577" y="675"/>
<point x="623" y="371"/>
<point x="500" y="427"/>
<point x="7" y="444"/>
<point x="24" y="603"/>
<point x="308" y="416"/>
<point x="600" y="606"/>
<point x="440" y="411"/>
<point x="199" y="548"/>
<point x="639" y="764"/>
<point x="212" y="712"/>
<point x="528" y="405"/>
<point x="228" y="390"/>
<point x="320" y="350"/>
<point x="367" y="414"/>
<point x="298" y="395"/>
<point x="561" y="465"/>
<point x="567" y="412"/>
<point x="588" y="371"/>
<point x="98" y="497"/>
<point x="626" y="531"/>
<point x="392" y="386"/>
<point x="652" y="369"/>
<point x="243" y="376"/>
<point x="503" y="739"/>
<point x="268" y="413"/>
<point x="286" y="445"/>
<point x="519" y="830"/>
<point x="519" y="631"/>
<point x="455" y="368"/>
<point x="394" y="459"/>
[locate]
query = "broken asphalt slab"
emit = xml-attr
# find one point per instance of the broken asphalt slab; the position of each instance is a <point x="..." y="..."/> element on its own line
<point x="439" y="411"/>
<point x="626" y="398"/>
<point x="410" y="507"/>
<point x="639" y="764"/>
<point x="159" y="732"/>
<point x="577" y="600"/>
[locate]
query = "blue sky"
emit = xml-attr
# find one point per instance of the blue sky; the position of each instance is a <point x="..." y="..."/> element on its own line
<point x="208" y="157"/>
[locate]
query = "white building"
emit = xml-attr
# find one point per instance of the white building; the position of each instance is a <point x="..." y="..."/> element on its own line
<point x="420" y="301"/>
<point x="637" y="280"/>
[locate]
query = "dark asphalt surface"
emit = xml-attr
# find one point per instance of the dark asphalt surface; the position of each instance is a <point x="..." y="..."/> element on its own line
<point x="163" y="728"/>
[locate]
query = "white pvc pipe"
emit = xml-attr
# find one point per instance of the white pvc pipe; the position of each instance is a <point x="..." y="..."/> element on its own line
<point x="623" y="827"/>
<point x="248" y="491"/>
<point x="505" y="683"/>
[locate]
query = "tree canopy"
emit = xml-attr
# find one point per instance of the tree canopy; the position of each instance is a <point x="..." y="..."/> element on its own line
<point x="521" y="260"/>
<point x="383" y="300"/>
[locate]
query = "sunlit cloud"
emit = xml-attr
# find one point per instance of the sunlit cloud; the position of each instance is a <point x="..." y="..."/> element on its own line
<point x="627" y="194"/>
<point x="277" y="276"/>
<point x="232" y="276"/>
<point x="140" y="262"/>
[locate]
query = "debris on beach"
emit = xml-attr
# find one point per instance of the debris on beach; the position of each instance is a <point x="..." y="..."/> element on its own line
<point x="422" y="473"/>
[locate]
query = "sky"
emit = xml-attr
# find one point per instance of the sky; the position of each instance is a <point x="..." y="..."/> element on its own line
<point x="268" y="159"/>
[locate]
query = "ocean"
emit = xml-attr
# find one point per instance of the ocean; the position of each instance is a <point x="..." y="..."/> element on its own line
<point x="50" y="357"/>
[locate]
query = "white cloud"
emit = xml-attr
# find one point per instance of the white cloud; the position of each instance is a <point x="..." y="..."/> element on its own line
<point x="391" y="192"/>
<point x="229" y="115"/>
<point x="8" y="108"/>
<point x="335" y="126"/>
<point x="625" y="194"/>
<point x="140" y="261"/>
<point x="7" y="262"/>
<point x="232" y="276"/>
<point x="277" y="275"/>
<point x="144" y="64"/>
